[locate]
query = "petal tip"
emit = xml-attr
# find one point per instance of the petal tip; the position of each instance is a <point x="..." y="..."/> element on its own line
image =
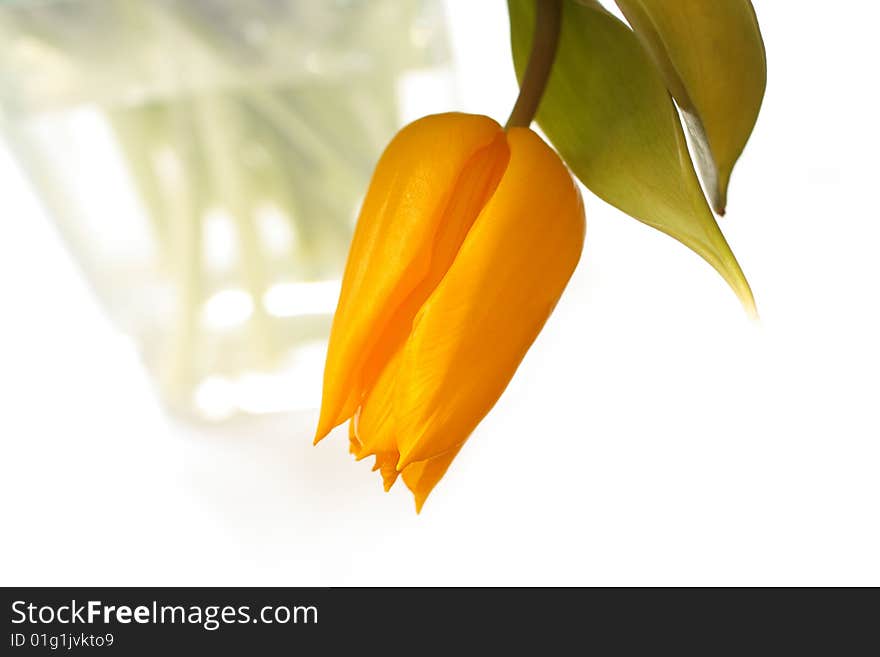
<point x="406" y="458"/>
<point x="389" y="477"/>
<point x="321" y="432"/>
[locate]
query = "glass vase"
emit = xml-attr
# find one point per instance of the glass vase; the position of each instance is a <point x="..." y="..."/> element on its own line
<point x="204" y="161"/>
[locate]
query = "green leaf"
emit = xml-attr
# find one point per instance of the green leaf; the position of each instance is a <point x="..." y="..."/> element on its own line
<point x="712" y="58"/>
<point x="608" y="113"/>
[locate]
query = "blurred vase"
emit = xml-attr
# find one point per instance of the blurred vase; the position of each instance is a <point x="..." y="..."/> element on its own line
<point x="204" y="160"/>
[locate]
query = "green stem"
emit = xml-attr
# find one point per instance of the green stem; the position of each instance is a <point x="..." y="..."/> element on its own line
<point x="547" y="24"/>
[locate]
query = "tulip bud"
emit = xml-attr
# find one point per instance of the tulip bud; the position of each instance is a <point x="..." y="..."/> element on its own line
<point x="467" y="237"/>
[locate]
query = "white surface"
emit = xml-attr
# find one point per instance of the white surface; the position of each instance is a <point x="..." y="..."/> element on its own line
<point x="652" y="436"/>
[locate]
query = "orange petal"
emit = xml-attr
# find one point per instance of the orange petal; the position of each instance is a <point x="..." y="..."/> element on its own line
<point x="393" y="243"/>
<point x="376" y="420"/>
<point x="473" y="188"/>
<point x="472" y="332"/>
<point x="421" y="477"/>
<point x="386" y="463"/>
<point x="354" y="443"/>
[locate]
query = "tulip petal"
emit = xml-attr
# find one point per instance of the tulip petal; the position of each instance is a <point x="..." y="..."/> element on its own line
<point x="354" y="445"/>
<point x="712" y="57"/>
<point x="375" y="420"/>
<point x="607" y="111"/>
<point x="421" y="477"/>
<point x="386" y="464"/>
<point x="391" y="251"/>
<point x="472" y="332"/>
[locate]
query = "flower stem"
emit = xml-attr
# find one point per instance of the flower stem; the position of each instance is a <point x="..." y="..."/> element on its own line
<point x="546" y="37"/>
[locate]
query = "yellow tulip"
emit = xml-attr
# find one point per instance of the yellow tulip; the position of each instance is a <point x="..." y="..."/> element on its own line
<point x="467" y="236"/>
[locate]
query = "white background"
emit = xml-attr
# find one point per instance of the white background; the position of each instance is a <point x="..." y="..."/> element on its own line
<point x="653" y="434"/>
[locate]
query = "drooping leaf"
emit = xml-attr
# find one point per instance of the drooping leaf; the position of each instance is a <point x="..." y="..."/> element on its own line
<point x="608" y="113"/>
<point x="712" y="58"/>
